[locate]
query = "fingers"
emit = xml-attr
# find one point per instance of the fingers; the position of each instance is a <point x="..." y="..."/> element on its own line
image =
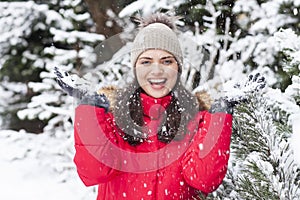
<point x="259" y="78"/>
<point x="60" y="82"/>
<point x="62" y="78"/>
<point x="256" y="77"/>
<point x="57" y="73"/>
<point x="68" y="89"/>
<point x="250" y="77"/>
<point x="261" y="82"/>
<point x="253" y="84"/>
<point x="260" y="87"/>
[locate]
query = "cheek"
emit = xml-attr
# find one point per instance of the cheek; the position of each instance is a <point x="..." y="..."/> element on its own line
<point x="140" y="74"/>
<point x="173" y="75"/>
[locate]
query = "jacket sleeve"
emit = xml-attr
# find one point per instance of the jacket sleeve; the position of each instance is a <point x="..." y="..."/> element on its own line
<point x="205" y="161"/>
<point x="93" y="134"/>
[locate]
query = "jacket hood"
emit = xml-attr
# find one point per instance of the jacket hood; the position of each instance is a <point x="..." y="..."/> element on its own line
<point x="203" y="98"/>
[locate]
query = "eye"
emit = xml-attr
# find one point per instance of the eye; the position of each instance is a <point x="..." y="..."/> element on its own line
<point x="168" y="62"/>
<point x="145" y="62"/>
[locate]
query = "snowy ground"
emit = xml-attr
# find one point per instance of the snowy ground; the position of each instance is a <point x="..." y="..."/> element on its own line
<point x="27" y="171"/>
<point x="35" y="167"/>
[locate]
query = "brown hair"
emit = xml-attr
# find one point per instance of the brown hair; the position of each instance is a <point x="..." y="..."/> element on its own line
<point x="129" y="115"/>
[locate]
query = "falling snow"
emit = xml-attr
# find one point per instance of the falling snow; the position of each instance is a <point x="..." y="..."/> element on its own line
<point x="44" y="161"/>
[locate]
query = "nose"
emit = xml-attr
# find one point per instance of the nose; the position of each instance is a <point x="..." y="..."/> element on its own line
<point x="157" y="69"/>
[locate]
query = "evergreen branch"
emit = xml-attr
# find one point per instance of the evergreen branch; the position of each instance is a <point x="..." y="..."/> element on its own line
<point x="263" y="154"/>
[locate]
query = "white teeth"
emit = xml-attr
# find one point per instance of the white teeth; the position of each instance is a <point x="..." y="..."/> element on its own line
<point x="157" y="80"/>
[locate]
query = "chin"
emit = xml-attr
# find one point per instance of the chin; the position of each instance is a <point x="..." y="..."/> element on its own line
<point x="158" y="94"/>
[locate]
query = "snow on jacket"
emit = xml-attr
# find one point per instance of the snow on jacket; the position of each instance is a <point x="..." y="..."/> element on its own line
<point x="152" y="170"/>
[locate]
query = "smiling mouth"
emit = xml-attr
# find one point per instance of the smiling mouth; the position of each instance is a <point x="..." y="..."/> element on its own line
<point x="161" y="81"/>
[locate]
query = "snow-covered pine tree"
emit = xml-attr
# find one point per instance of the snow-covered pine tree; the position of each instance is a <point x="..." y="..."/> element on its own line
<point x="18" y="27"/>
<point x="288" y="41"/>
<point x="263" y="161"/>
<point x="71" y="48"/>
<point x="26" y="54"/>
<point x="258" y="21"/>
<point x="262" y="164"/>
<point x="36" y="38"/>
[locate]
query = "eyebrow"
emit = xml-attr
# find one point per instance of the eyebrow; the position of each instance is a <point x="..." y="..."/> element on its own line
<point x="162" y="58"/>
<point x="144" y="57"/>
<point x="167" y="57"/>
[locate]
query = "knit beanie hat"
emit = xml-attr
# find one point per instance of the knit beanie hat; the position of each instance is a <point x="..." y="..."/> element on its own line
<point x="157" y="32"/>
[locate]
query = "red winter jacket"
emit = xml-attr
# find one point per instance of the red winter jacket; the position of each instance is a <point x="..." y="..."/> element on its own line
<point x="152" y="170"/>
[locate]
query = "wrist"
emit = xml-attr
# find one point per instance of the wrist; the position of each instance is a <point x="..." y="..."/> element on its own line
<point x="222" y="106"/>
<point x="97" y="100"/>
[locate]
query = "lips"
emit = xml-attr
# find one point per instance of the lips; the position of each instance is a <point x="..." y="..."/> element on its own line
<point x="160" y="81"/>
<point x="157" y="83"/>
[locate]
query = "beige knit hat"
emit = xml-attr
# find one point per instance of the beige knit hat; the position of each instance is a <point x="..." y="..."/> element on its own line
<point x="157" y="35"/>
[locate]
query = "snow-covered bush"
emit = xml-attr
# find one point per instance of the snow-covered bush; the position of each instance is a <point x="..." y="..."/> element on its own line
<point x="289" y="43"/>
<point x="35" y="38"/>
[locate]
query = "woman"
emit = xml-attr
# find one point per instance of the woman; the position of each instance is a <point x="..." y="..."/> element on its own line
<point x="155" y="142"/>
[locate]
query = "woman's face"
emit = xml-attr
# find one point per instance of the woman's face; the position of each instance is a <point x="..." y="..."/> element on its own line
<point x="156" y="72"/>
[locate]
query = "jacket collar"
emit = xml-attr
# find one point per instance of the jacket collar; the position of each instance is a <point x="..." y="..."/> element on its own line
<point x="154" y="107"/>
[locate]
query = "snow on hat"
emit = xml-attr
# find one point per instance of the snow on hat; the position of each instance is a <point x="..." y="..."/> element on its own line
<point x="157" y="32"/>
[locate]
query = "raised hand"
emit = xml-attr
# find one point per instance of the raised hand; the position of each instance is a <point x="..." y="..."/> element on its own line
<point x="254" y="83"/>
<point x="240" y="93"/>
<point x="65" y="81"/>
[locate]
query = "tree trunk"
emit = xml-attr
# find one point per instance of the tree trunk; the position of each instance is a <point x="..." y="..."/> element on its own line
<point x="98" y="10"/>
